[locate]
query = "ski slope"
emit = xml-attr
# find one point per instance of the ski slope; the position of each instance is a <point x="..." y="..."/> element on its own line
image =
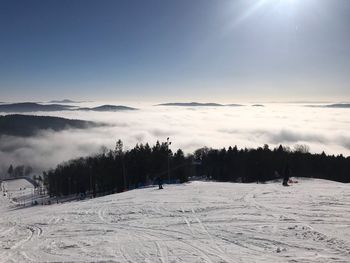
<point x="20" y="191"/>
<point x="194" y="222"/>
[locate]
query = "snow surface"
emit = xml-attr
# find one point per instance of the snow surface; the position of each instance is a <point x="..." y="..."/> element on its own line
<point x="17" y="185"/>
<point x="19" y="190"/>
<point x="194" y="222"/>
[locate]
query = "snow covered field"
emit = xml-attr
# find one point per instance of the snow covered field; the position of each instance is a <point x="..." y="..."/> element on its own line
<point x="195" y="222"/>
<point x="19" y="190"/>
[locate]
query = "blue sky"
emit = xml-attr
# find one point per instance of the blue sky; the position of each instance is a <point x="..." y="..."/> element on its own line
<point x="204" y="50"/>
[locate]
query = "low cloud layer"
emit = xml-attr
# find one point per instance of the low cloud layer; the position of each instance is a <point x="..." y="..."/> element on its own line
<point x="188" y="128"/>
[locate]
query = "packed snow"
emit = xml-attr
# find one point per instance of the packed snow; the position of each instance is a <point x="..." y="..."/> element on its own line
<point x="193" y="222"/>
<point x="20" y="191"/>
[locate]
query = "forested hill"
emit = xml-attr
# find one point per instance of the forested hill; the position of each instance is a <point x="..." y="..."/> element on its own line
<point x="110" y="108"/>
<point x="28" y="125"/>
<point x="34" y="107"/>
<point x="119" y="170"/>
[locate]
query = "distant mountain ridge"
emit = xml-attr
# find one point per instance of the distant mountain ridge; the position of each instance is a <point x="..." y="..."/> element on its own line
<point x="108" y="108"/>
<point x="29" y="125"/>
<point x="64" y="101"/>
<point x="234" y="105"/>
<point x="197" y="104"/>
<point x="336" y="105"/>
<point x="34" y="107"/>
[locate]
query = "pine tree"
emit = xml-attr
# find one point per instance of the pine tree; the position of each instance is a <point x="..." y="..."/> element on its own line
<point x="10" y="171"/>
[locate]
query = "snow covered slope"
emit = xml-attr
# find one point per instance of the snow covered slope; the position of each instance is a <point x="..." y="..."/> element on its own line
<point x="195" y="222"/>
<point x="17" y="189"/>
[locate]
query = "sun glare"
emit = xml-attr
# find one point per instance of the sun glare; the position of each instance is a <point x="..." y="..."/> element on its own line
<point x="284" y="6"/>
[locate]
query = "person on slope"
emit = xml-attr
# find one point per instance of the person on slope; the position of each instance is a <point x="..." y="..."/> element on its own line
<point x="286" y="176"/>
<point x="159" y="181"/>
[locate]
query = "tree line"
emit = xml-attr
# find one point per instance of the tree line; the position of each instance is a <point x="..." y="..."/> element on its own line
<point x="118" y="170"/>
<point x="18" y="171"/>
<point x="263" y="164"/>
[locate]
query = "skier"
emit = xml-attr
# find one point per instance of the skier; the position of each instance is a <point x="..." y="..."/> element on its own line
<point x="286" y="176"/>
<point x="160" y="182"/>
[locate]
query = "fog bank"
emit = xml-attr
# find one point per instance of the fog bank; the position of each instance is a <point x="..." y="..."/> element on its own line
<point x="189" y="128"/>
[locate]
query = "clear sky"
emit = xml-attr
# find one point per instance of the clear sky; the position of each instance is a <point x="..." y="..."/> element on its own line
<point x="204" y="50"/>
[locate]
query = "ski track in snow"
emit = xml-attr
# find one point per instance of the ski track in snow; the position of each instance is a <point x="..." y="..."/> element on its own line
<point x="196" y="222"/>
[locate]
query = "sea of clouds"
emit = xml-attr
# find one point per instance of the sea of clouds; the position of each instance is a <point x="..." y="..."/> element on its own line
<point x="189" y="128"/>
